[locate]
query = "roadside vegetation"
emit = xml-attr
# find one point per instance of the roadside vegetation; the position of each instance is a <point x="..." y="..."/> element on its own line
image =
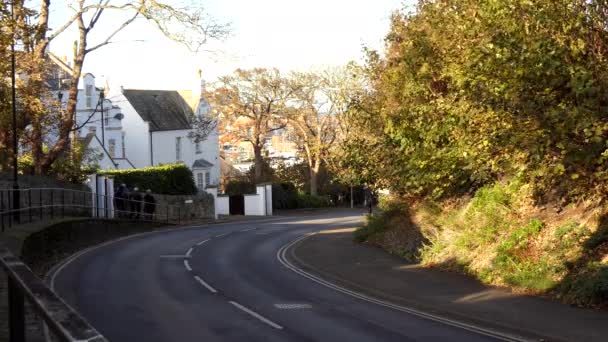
<point x="488" y="122"/>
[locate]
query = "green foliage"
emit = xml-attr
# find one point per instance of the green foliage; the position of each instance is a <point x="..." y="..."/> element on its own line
<point x="517" y="270"/>
<point x="304" y="200"/>
<point x="375" y="224"/>
<point x="589" y="287"/>
<point x="284" y="196"/>
<point x="239" y="187"/>
<point x="170" y="179"/>
<point x="471" y="91"/>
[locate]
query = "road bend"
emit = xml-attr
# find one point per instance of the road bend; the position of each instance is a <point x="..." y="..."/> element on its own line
<point x="226" y="283"/>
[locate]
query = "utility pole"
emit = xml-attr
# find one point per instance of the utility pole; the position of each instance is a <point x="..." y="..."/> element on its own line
<point x="16" y="197"/>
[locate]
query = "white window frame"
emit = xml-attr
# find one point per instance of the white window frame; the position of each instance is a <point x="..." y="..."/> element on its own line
<point x="207" y="178"/>
<point x="178" y="148"/>
<point x="199" y="181"/>
<point x="112" y="147"/>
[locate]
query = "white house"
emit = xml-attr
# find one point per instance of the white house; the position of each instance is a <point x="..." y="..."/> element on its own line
<point x="158" y="123"/>
<point x="98" y="122"/>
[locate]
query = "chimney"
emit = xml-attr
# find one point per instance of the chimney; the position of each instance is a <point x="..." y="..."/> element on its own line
<point x="122" y="90"/>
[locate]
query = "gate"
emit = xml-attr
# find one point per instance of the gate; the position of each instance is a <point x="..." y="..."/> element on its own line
<point x="236" y="205"/>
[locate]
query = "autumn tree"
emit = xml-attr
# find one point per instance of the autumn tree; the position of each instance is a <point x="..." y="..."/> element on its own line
<point x="190" y="26"/>
<point x="319" y="103"/>
<point x="251" y="105"/>
<point x="469" y="92"/>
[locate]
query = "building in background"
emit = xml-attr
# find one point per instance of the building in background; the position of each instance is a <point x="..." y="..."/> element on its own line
<point x="98" y="121"/>
<point x="159" y="123"/>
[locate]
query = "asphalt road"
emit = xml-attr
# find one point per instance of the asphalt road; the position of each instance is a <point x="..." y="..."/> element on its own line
<point x="227" y="283"/>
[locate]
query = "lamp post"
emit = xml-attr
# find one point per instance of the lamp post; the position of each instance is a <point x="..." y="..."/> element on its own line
<point x="103" y="124"/>
<point x="16" y="197"/>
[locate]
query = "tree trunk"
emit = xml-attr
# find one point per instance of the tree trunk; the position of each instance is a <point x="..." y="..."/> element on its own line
<point x="258" y="163"/>
<point x="67" y="121"/>
<point x="314" y="177"/>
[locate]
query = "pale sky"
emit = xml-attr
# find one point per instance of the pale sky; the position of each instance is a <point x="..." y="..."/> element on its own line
<point x="287" y="34"/>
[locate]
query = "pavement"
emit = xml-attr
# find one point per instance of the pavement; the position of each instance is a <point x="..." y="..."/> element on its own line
<point x="334" y="257"/>
<point x="233" y="282"/>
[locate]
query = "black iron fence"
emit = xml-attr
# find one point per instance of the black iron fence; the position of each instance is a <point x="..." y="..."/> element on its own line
<point x="43" y="204"/>
<point x="63" y="322"/>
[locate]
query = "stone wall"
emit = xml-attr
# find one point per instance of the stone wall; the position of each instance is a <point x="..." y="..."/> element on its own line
<point x="186" y="207"/>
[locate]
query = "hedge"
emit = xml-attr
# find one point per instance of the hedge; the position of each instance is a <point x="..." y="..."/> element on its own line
<point x="239" y="187"/>
<point x="170" y="179"/>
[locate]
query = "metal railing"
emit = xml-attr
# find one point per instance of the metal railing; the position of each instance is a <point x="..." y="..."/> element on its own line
<point x="40" y="204"/>
<point x="63" y="322"/>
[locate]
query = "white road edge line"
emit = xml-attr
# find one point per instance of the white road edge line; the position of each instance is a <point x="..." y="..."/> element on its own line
<point x="202" y="282"/>
<point x="187" y="265"/>
<point x="466" y="326"/>
<point x="189" y="252"/>
<point x="256" y="315"/>
<point x="202" y="242"/>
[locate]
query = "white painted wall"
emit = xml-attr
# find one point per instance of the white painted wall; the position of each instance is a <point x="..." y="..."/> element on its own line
<point x="254" y="205"/>
<point x="89" y="119"/>
<point x="105" y="163"/>
<point x="163" y="146"/>
<point x="137" y="134"/>
<point x="223" y="205"/>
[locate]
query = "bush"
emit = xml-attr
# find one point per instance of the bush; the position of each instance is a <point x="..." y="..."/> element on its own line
<point x="171" y="179"/>
<point x="375" y="224"/>
<point x="311" y="201"/>
<point x="239" y="187"/>
<point x="284" y="196"/>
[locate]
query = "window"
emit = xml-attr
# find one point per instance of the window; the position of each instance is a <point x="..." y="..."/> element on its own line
<point x="88" y="92"/>
<point x="197" y="146"/>
<point x="199" y="181"/>
<point x="124" y="148"/>
<point x="92" y="129"/>
<point x="112" y="147"/>
<point x="207" y="178"/>
<point x="178" y="148"/>
<point x="106" y="119"/>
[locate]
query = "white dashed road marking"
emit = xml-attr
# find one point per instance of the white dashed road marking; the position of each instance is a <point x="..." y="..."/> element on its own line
<point x="256" y="315"/>
<point x="292" y="306"/>
<point x="246" y="230"/>
<point x="221" y="235"/>
<point x="187" y="265"/>
<point x="189" y="252"/>
<point x="174" y="256"/>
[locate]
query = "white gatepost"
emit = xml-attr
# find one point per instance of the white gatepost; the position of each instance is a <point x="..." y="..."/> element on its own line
<point x="102" y="189"/>
<point x="212" y="190"/>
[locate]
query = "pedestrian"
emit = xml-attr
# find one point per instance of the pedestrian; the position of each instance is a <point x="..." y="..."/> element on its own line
<point x="135" y="200"/>
<point x="149" y="205"/>
<point x="120" y="197"/>
<point x="368" y="199"/>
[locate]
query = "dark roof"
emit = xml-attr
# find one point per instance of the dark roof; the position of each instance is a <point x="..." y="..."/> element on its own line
<point x="201" y="163"/>
<point x="164" y="110"/>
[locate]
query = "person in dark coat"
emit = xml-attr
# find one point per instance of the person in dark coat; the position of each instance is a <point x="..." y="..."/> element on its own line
<point x="135" y="201"/>
<point x="120" y="197"/>
<point x="149" y="205"/>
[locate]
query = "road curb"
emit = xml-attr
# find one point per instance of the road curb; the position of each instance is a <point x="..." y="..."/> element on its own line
<point x="286" y="252"/>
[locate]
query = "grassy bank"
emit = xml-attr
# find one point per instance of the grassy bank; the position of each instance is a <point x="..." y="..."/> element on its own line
<point x="503" y="238"/>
